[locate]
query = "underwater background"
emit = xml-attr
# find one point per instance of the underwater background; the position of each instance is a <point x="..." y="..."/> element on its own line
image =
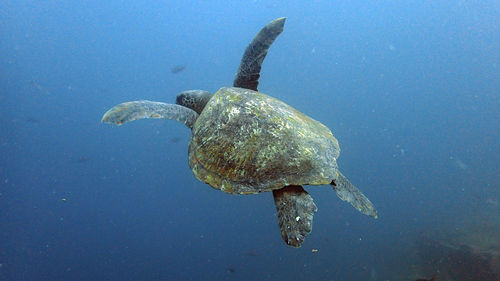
<point x="411" y="89"/>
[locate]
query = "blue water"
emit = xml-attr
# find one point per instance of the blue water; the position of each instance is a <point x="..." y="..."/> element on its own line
<point x="411" y="89"/>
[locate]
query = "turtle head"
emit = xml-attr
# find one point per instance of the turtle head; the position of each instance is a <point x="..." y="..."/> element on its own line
<point x="194" y="99"/>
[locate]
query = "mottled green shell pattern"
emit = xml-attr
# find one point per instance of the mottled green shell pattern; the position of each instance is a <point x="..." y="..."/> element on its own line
<point x="247" y="142"/>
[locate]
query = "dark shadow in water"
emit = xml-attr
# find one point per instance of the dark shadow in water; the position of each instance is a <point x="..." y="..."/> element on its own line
<point x="178" y="68"/>
<point x="82" y="159"/>
<point x="251" y="254"/>
<point x="32" y="120"/>
<point x="174" y="139"/>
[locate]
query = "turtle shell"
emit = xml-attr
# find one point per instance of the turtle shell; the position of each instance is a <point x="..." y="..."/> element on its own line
<point x="247" y="142"/>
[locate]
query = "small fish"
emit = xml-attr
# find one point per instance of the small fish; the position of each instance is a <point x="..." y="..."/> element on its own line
<point x="459" y="163"/>
<point x="82" y="159"/>
<point x="39" y="87"/>
<point x="432" y="279"/>
<point x="231" y="269"/>
<point x="178" y="68"/>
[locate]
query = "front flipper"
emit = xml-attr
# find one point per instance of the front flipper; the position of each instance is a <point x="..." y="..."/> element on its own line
<point x="133" y="110"/>
<point x="348" y="192"/>
<point x="251" y="63"/>
<point x="295" y="213"/>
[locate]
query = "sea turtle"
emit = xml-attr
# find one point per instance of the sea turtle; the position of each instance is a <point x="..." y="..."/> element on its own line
<point x="246" y="142"/>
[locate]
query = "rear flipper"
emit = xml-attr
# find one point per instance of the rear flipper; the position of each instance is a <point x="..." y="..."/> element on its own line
<point x="348" y="192"/>
<point x="295" y="213"/>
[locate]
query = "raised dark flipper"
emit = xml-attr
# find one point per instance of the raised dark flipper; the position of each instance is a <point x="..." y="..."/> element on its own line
<point x="295" y="213"/>
<point x="251" y="63"/>
<point x="133" y="110"/>
<point x="348" y="192"/>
